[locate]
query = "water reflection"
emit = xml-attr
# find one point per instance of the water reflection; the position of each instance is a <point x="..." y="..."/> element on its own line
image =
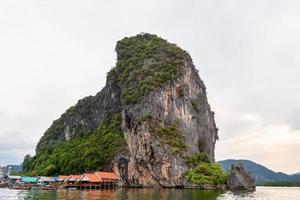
<point x="166" y="194"/>
<point x="121" y="194"/>
<point x="262" y="193"/>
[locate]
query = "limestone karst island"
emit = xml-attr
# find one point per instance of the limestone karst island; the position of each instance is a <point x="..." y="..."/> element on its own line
<point x="150" y="126"/>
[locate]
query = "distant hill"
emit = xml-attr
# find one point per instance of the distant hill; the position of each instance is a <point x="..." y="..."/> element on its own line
<point x="296" y="174"/>
<point x="259" y="172"/>
<point x="13" y="169"/>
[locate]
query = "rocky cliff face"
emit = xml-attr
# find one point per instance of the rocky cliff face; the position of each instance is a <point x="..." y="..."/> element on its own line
<point x="240" y="179"/>
<point x="84" y="117"/>
<point x="164" y="109"/>
<point x="150" y="161"/>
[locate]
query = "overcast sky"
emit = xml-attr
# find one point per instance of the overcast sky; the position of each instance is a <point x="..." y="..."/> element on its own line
<point x="53" y="53"/>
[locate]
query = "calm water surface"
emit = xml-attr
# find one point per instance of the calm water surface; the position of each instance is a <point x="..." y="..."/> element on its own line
<point x="262" y="193"/>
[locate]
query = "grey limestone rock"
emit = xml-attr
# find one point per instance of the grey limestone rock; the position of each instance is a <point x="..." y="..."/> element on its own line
<point x="146" y="159"/>
<point x="151" y="163"/>
<point x="240" y="179"/>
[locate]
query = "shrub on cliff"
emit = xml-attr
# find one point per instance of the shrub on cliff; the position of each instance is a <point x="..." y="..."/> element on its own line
<point x="203" y="172"/>
<point x="207" y="174"/>
<point x="194" y="159"/>
<point x="170" y="135"/>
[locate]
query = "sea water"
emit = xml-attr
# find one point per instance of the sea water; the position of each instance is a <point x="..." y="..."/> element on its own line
<point x="261" y="193"/>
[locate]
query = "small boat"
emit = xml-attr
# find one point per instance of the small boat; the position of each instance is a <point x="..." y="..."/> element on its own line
<point x="49" y="187"/>
<point x="21" y="187"/>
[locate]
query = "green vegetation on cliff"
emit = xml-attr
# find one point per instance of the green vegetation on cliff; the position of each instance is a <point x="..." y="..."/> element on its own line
<point x="80" y="154"/>
<point x="83" y="108"/>
<point x="144" y="63"/>
<point x="173" y="137"/>
<point x="203" y="172"/>
<point x="194" y="159"/>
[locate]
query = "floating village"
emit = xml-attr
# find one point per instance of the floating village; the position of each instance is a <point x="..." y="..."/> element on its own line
<point x="86" y="181"/>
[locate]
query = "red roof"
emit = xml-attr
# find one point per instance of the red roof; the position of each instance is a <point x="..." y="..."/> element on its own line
<point x="91" y="178"/>
<point x="106" y="175"/>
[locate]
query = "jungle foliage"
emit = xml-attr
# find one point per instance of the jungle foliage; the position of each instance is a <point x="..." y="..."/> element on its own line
<point x="80" y="154"/>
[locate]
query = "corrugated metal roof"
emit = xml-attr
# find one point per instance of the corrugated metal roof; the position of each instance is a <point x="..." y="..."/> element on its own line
<point x="75" y="177"/>
<point x="45" y="179"/>
<point x="27" y="179"/>
<point x="90" y="177"/>
<point x="63" y="178"/>
<point x="14" y="177"/>
<point x="48" y="179"/>
<point x="55" y="178"/>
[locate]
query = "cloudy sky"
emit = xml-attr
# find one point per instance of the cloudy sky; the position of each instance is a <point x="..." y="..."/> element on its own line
<point x="53" y="53"/>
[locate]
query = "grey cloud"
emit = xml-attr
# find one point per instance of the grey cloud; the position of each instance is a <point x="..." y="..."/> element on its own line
<point x="294" y="119"/>
<point x="13" y="140"/>
<point x="13" y="147"/>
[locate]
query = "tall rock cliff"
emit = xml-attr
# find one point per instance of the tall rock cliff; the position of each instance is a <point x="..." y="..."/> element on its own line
<point x="164" y="117"/>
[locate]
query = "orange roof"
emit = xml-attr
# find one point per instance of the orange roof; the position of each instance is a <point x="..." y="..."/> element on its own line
<point x="74" y="177"/>
<point x="106" y="175"/>
<point x="63" y="178"/>
<point x="91" y="178"/>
